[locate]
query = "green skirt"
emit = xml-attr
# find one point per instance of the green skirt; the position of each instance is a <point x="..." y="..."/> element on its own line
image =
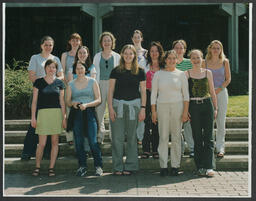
<point x="49" y="121"/>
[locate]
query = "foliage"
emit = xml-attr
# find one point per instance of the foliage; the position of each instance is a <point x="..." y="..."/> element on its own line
<point x="239" y="84"/>
<point x="18" y="90"/>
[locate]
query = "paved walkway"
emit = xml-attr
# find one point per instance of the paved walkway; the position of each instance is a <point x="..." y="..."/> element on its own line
<point x="140" y="184"/>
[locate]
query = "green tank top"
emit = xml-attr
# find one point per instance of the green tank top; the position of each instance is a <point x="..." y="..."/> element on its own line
<point x="198" y="88"/>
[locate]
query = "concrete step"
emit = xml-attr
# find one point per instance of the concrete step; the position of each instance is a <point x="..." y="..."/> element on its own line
<point x="70" y="164"/>
<point x="231" y="122"/>
<point x="15" y="150"/>
<point x="17" y="137"/>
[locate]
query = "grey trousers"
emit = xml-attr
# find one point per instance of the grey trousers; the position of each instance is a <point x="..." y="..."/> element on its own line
<point x="119" y="128"/>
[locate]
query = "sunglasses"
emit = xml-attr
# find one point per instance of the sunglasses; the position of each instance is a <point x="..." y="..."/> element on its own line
<point x="106" y="62"/>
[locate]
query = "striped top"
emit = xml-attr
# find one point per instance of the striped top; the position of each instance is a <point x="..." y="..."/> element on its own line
<point x="184" y="65"/>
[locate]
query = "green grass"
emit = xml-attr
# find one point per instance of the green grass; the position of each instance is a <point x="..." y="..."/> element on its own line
<point x="238" y="106"/>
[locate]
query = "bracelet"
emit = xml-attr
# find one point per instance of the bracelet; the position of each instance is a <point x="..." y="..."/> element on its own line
<point x="142" y="106"/>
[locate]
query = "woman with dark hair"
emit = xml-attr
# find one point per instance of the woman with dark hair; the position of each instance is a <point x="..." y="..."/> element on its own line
<point x="151" y="134"/>
<point x="169" y="105"/>
<point x="104" y="62"/>
<point x="67" y="61"/>
<point x="48" y="99"/>
<point x="83" y="95"/>
<point x="217" y="62"/>
<point x="184" y="64"/>
<point x="127" y="103"/>
<point x="203" y="111"/>
<point x="35" y="71"/>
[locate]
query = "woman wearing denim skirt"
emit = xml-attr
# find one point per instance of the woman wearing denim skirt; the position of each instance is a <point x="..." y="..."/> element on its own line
<point x="48" y="99"/>
<point x="216" y="61"/>
<point x="127" y="102"/>
<point x="203" y="111"/>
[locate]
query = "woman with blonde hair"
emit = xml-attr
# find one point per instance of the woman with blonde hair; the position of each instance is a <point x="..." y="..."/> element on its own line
<point x="104" y="61"/>
<point x="217" y="62"/>
<point x="203" y="110"/>
<point x="127" y="102"/>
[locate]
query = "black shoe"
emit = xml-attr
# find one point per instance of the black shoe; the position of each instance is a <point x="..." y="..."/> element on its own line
<point x="25" y="157"/>
<point x="175" y="172"/>
<point x="163" y="172"/>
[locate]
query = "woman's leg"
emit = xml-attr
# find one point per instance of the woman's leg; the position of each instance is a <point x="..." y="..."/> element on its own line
<point x="55" y="149"/>
<point x="163" y="115"/>
<point x="131" y="162"/>
<point x="221" y="120"/>
<point x="40" y="149"/>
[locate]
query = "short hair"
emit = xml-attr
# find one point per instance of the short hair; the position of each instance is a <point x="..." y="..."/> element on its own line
<point x="138" y="32"/>
<point x="208" y="56"/>
<point x="49" y="62"/>
<point x="183" y="42"/>
<point x="106" y="33"/>
<point x="45" y="38"/>
<point x="74" y="36"/>
<point x="195" y="50"/>
<point x="167" y="53"/>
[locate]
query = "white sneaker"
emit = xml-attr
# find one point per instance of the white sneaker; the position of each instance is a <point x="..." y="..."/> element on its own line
<point x="209" y="172"/>
<point x="99" y="171"/>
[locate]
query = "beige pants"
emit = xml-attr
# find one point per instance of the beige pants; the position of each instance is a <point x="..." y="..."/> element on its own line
<point x="169" y="121"/>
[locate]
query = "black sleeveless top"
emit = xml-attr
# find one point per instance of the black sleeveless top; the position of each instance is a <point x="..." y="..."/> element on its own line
<point x="198" y="88"/>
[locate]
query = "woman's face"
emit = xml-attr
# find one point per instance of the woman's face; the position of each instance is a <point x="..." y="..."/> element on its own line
<point x="51" y="69"/>
<point x="82" y="54"/>
<point x="179" y="49"/>
<point x="74" y="42"/>
<point x="128" y="56"/>
<point x="171" y="60"/>
<point x="107" y="42"/>
<point x="216" y="49"/>
<point x="196" y="59"/>
<point x="136" y="39"/>
<point x="47" y="46"/>
<point x="154" y="53"/>
<point x="80" y="69"/>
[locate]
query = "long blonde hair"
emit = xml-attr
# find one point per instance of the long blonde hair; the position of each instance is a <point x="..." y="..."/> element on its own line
<point x="135" y="65"/>
<point x="208" y="56"/>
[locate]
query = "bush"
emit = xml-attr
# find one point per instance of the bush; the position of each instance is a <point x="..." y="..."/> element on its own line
<point x="18" y="91"/>
<point x="239" y="84"/>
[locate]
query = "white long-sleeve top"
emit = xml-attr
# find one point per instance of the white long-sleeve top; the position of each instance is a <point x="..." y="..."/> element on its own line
<point x="169" y="87"/>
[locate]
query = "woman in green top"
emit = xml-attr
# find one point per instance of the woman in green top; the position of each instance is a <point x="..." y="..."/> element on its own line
<point x="203" y="111"/>
<point x="183" y="64"/>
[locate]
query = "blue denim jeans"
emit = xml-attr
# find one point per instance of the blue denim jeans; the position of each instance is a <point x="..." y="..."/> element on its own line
<point x="92" y="138"/>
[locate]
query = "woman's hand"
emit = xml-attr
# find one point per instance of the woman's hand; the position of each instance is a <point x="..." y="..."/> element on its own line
<point x="74" y="104"/>
<point x="184" y="117"/>
<point x="154" y="117"/>
<point x="64" y="123"/>
<point x="215" y="114"/>
<point x="33" y="122"/>
<point x="112" y="114"/>
<point x="82" y="106"/>
<point x="218" y="90"/>
<point x="142" y="114"/>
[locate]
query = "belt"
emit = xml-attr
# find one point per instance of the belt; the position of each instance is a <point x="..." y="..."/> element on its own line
<point x="199" y="100"/>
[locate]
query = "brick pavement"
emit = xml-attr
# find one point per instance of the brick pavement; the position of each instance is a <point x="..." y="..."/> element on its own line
<point x="143" y="184"/>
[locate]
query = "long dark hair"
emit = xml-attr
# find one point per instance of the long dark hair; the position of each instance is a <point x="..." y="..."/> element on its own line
<point x="87" y="63"/>
<point x="161" y="53"/>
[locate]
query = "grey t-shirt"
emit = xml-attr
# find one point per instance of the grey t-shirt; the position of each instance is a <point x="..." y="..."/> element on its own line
<point x="106" y="67"/>
<point x="37" y="63"/>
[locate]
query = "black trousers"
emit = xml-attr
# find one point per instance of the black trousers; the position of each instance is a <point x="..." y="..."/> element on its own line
<point x="151" y="134"/>
<point x="202" y="119"/>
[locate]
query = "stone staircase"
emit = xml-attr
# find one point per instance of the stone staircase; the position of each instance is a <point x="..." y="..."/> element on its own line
<point x="236" y="157"/>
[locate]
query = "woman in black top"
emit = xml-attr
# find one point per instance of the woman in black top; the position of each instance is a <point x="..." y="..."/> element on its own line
<point x="48" y="99"/>
<point x="126" y="101"/>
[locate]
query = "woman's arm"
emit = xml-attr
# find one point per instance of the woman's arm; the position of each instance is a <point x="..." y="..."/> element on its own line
<point x="154" y="97"/>
<point x="33" y="107"/>
<point x="212" y="92"/>
<point x="227" y="74"/>
<point x="97" y="98"/>
<point x="68" y="98"/>
<point x="63" y="109"/>
<point x="185" y="93"/>
<point x="143" y="100"/>
<point x="63" y="63"/>
<point x="112" y="113"/>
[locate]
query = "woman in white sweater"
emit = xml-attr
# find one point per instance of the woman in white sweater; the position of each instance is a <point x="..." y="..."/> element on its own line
<point x="104" y="61"/>
<point x="170" y="93"/>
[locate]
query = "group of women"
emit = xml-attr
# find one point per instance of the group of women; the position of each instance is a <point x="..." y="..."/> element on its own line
<point x="150" y="95"/>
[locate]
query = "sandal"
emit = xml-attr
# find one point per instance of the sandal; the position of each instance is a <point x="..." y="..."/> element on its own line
<point x="118" y="173"/>
<point x="36" y="172"/>
<point x="155" y="155"/>
<point x="145" y="155"/>
<point x="220" y="155"/>
<point x="51" y="172"/>
<point x="127" y="173"/>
